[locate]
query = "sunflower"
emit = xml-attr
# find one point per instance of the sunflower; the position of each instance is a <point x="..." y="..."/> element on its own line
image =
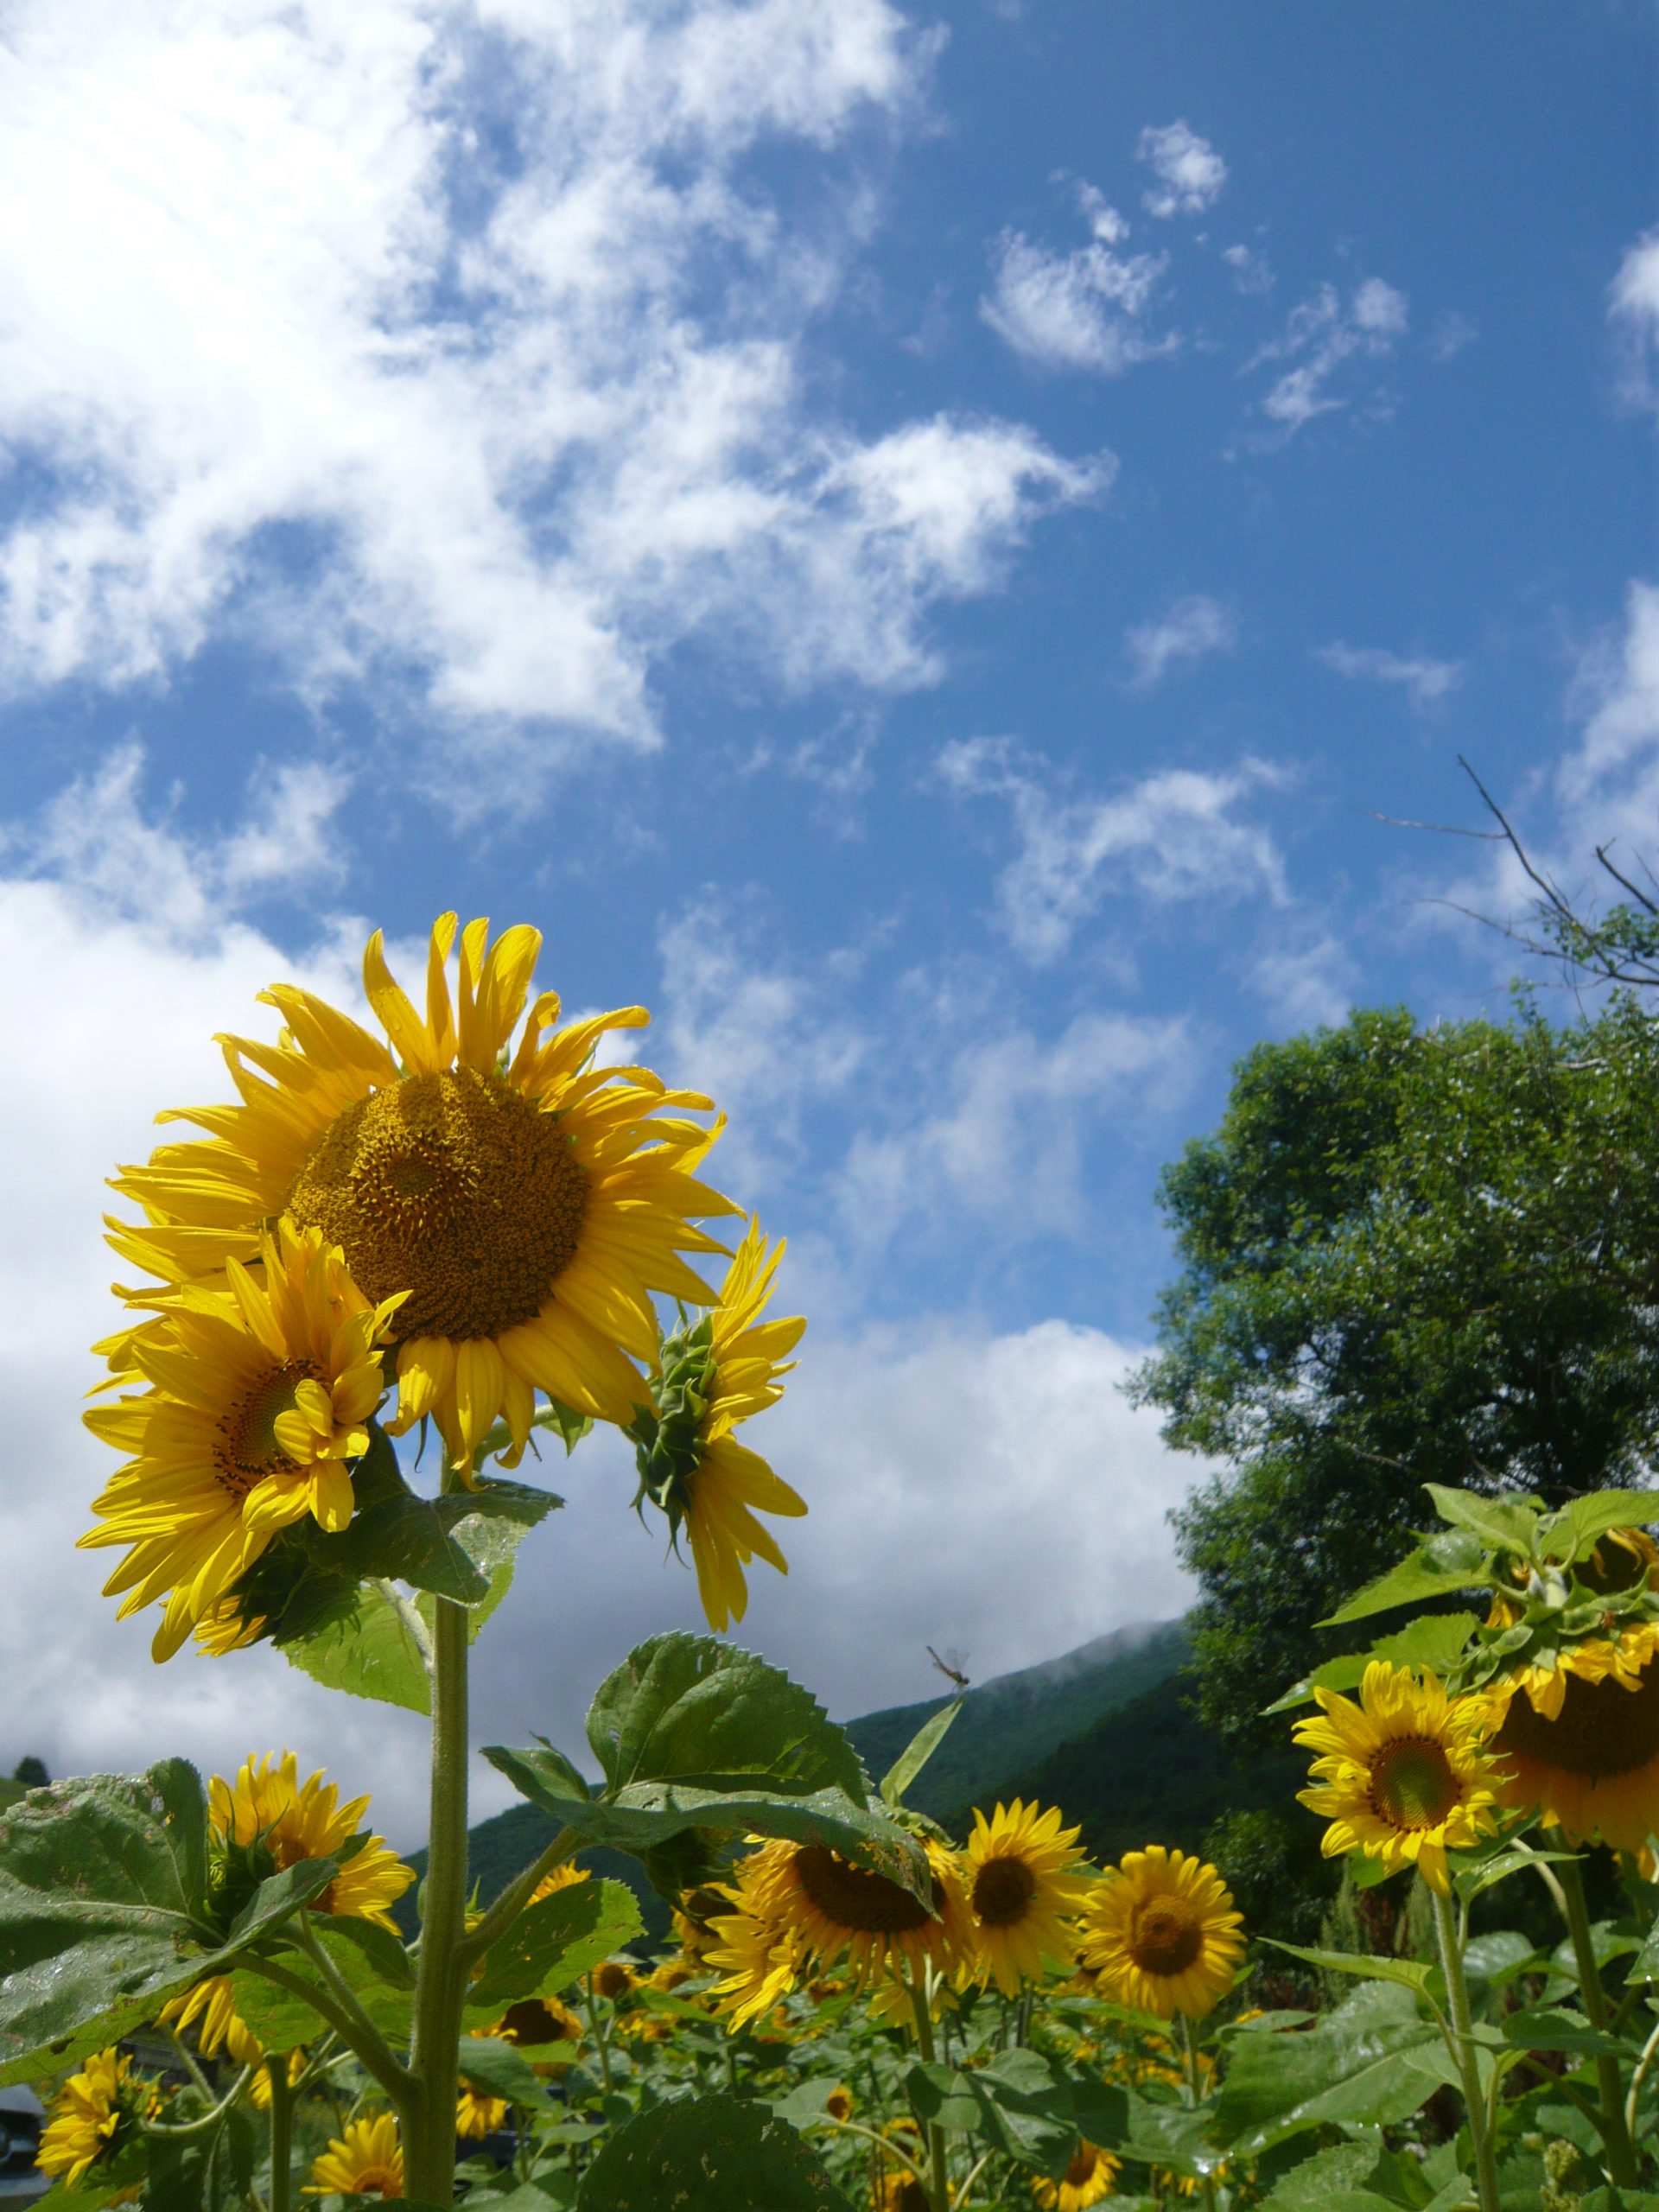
<point x="366" y="2161"/>
<point x="210" y="2008"/>
<point x="259" y="2087"/>
<point x="524" y="1206"/>
<point x="478" y="2115"/>
<point x="269" y="1806"/>
<point x="1580" y="1742"/>
<point x="710" y="1375"/>
<point x="803" y="1905"/>
<point x="1402" y="1776"/>
<point x="1019" y="1893"/>
<point x="258" y="1396"/>
<point x="613" y="1979"/>
<point x="1161" y="1934"/>
<point x="94" y="2115"/>
<point x="1090" y="2175"/>
<point x="537" y="2022"/>
<point x="898" y="2192"/>
<point x="564" y="1877"/>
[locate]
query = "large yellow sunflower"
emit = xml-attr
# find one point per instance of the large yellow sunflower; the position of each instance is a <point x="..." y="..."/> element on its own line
<point x="712" y="1374"/>
<point x="367" y="2161"/>
<point x="257" y="1400"/>
<point x="524" y="1204"/>
<point x="1161" y="1933"/>
<point x="1019" y="1893"/>
<point x="803" y="1906"/>
<point x="94" y="2115"/>
<point x="268" y="1804"/>
<point x="1090" y="2175"/>
<point x="1402" y="1776"/>
<point x="1580" y="1742"/>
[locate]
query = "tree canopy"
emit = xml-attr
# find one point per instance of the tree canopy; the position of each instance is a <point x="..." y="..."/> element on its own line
<point x="1408" y="1254"/>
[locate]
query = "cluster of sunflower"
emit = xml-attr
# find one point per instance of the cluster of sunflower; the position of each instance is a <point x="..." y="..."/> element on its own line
<point x="456" y="1218"/>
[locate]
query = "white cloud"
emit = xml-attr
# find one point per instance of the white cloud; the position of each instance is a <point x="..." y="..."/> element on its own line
<point x="1320" y="337"/>
<point x="1425" y="681"/>
<point x="1189" y="171"/>
<point x="1192" y="627"/>
<point x="1306" y="980"/>
<point x="1174" y="836"/>
<point x="1608" y="782"/>
<point x="453" y="346"/>
<point x="1083" y="310"/>
<point x="1252" y="271"/>
<point x="1634" y="309"/>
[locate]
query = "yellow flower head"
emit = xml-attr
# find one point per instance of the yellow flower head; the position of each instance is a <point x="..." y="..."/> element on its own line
<point x="1580" y="1742"/>
<point x="259" y="2087"/>
<point x="839" y="2102"/>
<point x="95" y="2114"/>
<point x="257" y="1398"/>
<point x="541" y="2023"/>
<point x="478" y="2115"/>
<point x="1161" y="1933"/>
<point x="524" y="1206"/>
<point x="561" y="1877"/>
<point x="1090" y="2175"/>
<point x="711" y="1374"/>
<point x="210" y="2008"/>
<point x="269" y="1805"/>
<point x="1020" y="1892"/>
<point x="613" y="1979"/>
<point x="802" y="1907"/>
<point x="366" y="2161"/>
<point x="1401" y="1775"/>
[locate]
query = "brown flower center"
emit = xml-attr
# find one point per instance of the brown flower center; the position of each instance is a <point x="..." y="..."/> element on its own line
<point x="1003" y="1889"/>
<point x="532" y="2020"/>
<point x="851" y="1897"/>
<point x="247" y="1449"/>
<point x="454" y="1188"/>
<point x="1603" y="1728"/>
<point x="1412" y="1783"/>
<point x="1083" y="2167"/>
<point x="1165" y="1935"/>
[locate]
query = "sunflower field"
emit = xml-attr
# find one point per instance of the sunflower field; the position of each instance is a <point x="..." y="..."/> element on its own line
<point x="481" y="1224"/>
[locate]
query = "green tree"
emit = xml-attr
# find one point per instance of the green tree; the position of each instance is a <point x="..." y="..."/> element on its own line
<point x="1408" y="1255"/>
<point x="31" y="1772"/>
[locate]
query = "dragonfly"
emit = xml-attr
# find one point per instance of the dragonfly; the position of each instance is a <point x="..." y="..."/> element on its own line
<point x="951" y="1666"/>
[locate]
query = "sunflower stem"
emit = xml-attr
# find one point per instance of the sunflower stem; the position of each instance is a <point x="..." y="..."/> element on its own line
<point x="921" y="2004"/>
<point x="440" y="1984"/>
<point x="282" y="2131"/>
<point x="1463" y="2049"/>
<point x="1615" y="2135"/>
<point x="1195" y="2094"/>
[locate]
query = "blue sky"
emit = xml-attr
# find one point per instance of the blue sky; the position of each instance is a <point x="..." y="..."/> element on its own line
<point x="916" y="545"/>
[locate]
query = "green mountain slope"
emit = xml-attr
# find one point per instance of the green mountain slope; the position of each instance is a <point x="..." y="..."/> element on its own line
<point x="1007" y="1724"/>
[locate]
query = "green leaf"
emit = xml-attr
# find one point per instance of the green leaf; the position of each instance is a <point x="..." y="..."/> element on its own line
<point x="916" y="1754"/>
<point x="1509" y="1523"/>
<point x="283" y="2021"/>
<point x="387" y="1958"/>
<point x="1323" y="2180"/>
<point x="1475" y="1878"/>
<point x="1551" y="2027"/>
<point x="489" y="1524"/>
<point x="368" y="1646"/>
<point x="689" y="1708"/>
<point x="555" y="1944"/>
<point x="1455" y="1561"/>
<point x="103" y="1912"/>
<point x="1568" y="1535"/>
<point x="1171" y="2135"/>
<point x="1409" y="1974"/>
<point x="396" y="1534"/>
<point x="708" y="2154"/>
<point x="1373" y="2061"/>
<point x="203" y="2173"/>
<point x="1020" y="2103"/>
<point x="500" y="2070"/>
<point x="1433" y="1640"/>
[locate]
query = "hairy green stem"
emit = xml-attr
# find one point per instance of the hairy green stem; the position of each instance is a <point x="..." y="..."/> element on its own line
<point x="938" y="2163"/>
<point x="282" y="2131"/>
<point x="1462" y="2040"/>
<point x="1615" y="2135"/>
<point x="441" y="1982"/>
<point x="601" y="2041"/>
<point x="1195" y="2094"/>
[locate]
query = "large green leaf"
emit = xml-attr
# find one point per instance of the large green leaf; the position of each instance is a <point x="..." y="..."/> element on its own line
<point x="1409" y="1974"/>
<point x="1505" y="1524"/>
<point x="708" y="2154"/>
<point x="689" y="1708"/>
<point x="283" y="2020"/>
<point x="555" y="1944"/>
<point x="1371" y="2062"/>
<point x="1453" y="1559"/>
<point x="398" y="1535"/>
<point x="104" y="1913"/>
<point x="1020" y="2103"/>
<point x="500" y="2070"/>
<point x="1574" y="1530"/>
<point x="368" y="1646"/>
<point x="489" y="1524"/>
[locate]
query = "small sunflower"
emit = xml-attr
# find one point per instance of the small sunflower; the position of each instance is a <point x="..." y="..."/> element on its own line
<point x="94" y="2115"/>
<point x="802" y="1906"/>
<point x="1161" y="1934"/>
<point x="1020" y="1892"/>
<point x="524" y="1206"/>
<point x="564" y="1877"/>
<point x="1402" y="1776"/>
<point x="1580" y="1743"/>
<point x="613" y="1979"/>
<point x="367" y="2161"/>
<point x="538" y="2024"/>
<point x="210" y="2008"/>
<point x="711" y="1374"/>
<point x="1092" y="2174"/>
<point x="478" y="2115"/>
<point x="898" y="2192"/>
<point x="257" y="1401"/>
<point x="268" y="1805"/>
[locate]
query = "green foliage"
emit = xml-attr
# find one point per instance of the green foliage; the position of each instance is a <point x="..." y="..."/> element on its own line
<point x="1371" y="2062"/>
<point x="708" y="2154"/>
<point x="553" y="1944"/>
<point x="1407" y="1257"/>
